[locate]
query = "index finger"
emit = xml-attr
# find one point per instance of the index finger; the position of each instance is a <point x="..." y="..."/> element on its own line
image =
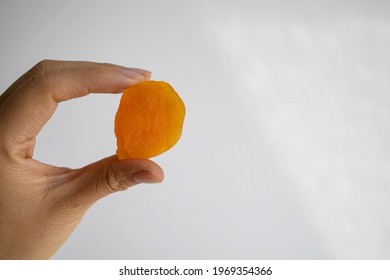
<point x="27" y="110"/>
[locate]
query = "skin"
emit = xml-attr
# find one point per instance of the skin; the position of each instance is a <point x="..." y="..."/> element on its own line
<point x="40" y="204"/>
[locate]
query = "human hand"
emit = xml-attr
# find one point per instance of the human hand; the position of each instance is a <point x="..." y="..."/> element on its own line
<point x="40" y="204"/>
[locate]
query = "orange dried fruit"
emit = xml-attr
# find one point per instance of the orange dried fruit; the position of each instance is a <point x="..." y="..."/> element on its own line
<point x="149" y="120"/>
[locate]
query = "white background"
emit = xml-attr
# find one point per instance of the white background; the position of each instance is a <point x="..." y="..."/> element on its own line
<point x="285" y="149"/>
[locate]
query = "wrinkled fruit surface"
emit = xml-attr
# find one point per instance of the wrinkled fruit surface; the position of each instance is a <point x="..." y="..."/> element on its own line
<point x="149" y="120"/>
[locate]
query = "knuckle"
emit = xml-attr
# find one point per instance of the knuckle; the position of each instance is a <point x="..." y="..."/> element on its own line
<point x="39" y="79"/>
<point x="40" y="72"/>
<point x="43" y="65"/>
<point x="116" y="181"/>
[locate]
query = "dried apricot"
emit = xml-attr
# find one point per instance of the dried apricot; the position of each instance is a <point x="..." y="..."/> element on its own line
<point x="149" y="120"/>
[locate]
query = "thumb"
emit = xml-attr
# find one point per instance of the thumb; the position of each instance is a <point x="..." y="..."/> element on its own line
<point x="110" y="175"/>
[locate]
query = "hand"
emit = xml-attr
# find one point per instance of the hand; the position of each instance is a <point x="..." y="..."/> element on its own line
<point x="40" y="204"/>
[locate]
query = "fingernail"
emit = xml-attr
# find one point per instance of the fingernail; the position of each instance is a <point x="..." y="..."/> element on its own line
<point x="144" y="177"/>
<point x="133" y="75"/>
<point x="146" y="73"/>
<point x="139" y="70"/>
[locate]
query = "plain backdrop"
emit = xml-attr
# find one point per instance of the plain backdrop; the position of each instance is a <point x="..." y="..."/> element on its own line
<point x="285" y="150"/>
